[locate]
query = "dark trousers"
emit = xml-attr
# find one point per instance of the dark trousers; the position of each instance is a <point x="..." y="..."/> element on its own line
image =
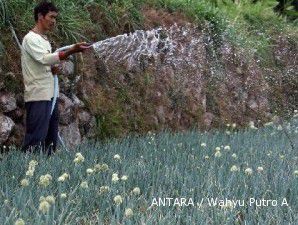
<point x="41" y="127"/>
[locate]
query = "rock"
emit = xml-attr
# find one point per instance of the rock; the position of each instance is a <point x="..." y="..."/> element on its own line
<point x="84" y="121"/>
<point x="207" y="120"/>
<point x="1" y="85"/>
<point x="67" y="67"/>
<point x="91" y="128"/>
<point x="70" y="135"/>
<point x="6" y="126"/>
<point x="66" y="110"/>
<point x="77" y="102"/>
<point x="161" y="114"/>
<point x="154" y="120"/>
<point x="84" y="117"/>
<point x="20" y="100"/>
<point x="7" y="102"/>
<point x="16" y="136"/>
<point x="17" y="115"/>
<point x="252" y="104"/>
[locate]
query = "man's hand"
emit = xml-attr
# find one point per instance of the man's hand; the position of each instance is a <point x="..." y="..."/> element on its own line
<point x="78" y="47"/>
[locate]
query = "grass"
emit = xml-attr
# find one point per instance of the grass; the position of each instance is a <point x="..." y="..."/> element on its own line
<point x="162" y="165"/>
<point x="75" y="16"/>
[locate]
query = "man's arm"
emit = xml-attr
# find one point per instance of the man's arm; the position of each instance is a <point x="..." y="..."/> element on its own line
<point x="39" y="53"/>
<point x="79" y="47"/>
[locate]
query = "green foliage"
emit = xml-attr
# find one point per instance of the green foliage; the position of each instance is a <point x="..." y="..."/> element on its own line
<point x="125" y="15"/>
<point x="109" y="125"/>
<point x="3" y="12"/>
<point x="288" y="8"/>
<point x="73" y="18"/>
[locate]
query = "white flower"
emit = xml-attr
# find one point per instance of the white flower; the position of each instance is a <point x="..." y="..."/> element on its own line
<point x="79" y="158"/>
<point x="217" y="149"/>
<point x="104" y="167"/>
<point x="128" y="212"/>
<point x="124" y="178"/>
<point x="101" y="168"/>
<point x="252" y="125"/>
<point x="228" y="125"/>
<point x="234" y="168"/>
<point x="6" y="201"/>
<point x="203" y="144"/>
<point x="97" y="167"/>
<point x="89" y="171"/>
<point x="63" y="177"/>
<point x="30" y="173"/>
<point x="115" y="177"/>
<point x="24" y="182"/>
<point x="136" y="191"/>
<point x="206" y="157"/>
<point x="19" y="222"/>
<point x="227" y="147"/>
<point x="228" y="132"/>
<point x="84" y="185"/>
<point x="50" y="199"/>
<point x="296" y="172"/>
<point x="45" y="180"/>
<point x="260" y="169"/>
<point x="279" y="127"/>
<point x="217" y="154"/>
<point x="79" y="155"/>
<point x="63" y="195"/>
<point x="44" y="206"/>
<point x="33" y="163"/>
<point x="118" y="199"/>
<point x="234" y="125"/>
<point x="268" y="124"/>
<point x="234" y="155"/>
<point x="104" y="189"/>
<point x="117" y="157"/>
<point x="248" y="171"/>
<point x="282" y="156"/>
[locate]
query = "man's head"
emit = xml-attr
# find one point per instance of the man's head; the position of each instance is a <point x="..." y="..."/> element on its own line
<point x="45" y="14"/>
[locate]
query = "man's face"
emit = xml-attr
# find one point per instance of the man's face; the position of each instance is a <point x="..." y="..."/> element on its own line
<point x="49" y="20"/>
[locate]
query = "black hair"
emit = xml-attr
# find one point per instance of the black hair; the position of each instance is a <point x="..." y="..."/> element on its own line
<point x="44" y="7"/>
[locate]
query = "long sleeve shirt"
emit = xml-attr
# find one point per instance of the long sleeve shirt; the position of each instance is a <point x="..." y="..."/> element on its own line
<point x="37" y="58"/>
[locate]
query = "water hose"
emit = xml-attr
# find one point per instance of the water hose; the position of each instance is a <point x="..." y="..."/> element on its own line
<point x="56" y="93"/>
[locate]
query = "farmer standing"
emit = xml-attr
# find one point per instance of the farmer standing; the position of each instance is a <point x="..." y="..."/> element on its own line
<point x="38" y="67"/>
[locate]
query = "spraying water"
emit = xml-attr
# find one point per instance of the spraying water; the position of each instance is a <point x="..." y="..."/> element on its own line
<point x="158" y="44"/>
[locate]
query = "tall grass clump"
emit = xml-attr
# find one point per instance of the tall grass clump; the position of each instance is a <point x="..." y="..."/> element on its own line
<point x="73" y="17"/>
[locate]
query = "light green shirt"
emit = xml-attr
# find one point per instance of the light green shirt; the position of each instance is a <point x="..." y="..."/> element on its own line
<point x="37" y="58"/>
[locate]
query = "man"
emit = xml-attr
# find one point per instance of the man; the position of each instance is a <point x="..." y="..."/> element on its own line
<point x="37" y="68"/>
